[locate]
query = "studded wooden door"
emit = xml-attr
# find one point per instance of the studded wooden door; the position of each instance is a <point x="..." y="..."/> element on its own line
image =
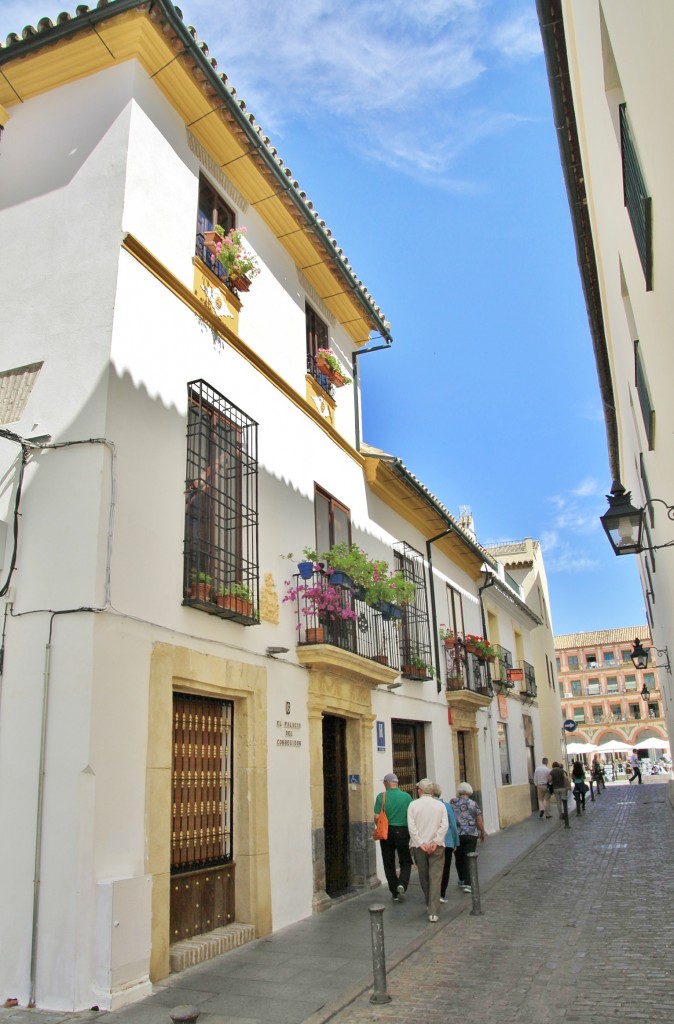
<point x="202" y="866"/>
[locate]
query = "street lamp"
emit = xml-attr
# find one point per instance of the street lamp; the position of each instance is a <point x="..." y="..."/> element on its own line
<point x="641" y="657"/>
<point x="645" y="693"/>
<point x="640" y="654"/>
<point x="624" y="524"/>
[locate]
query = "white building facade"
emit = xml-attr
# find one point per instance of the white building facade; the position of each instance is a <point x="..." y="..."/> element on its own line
<point x="182" y="751"/>
<point x="611" y="76"/>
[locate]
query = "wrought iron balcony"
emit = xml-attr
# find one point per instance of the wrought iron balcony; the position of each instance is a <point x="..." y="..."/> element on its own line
<point x="467" y="671"/>
<point x="528" y="684"/>
<point x="502" y="666"/>
<point x="212" y="262"/>
<point x="329" y="613"/>
<point x="319" y="377"/>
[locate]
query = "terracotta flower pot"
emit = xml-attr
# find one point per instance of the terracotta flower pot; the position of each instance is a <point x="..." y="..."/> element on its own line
<point x="200" y="591"/>
<point x="235" y="604"/>
<point x="381" y="658"/>
<point x="315" y="636"/>
<point x="333" y="376"/>
<point x="239" y="281"/>
<point x="211" y="238"/>
<point x="454" y="683"/>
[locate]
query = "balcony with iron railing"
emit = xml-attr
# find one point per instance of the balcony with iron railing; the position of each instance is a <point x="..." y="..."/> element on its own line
<point x="336" y="615"/>
<point x="467" y="674"/>
<point x="501" y="667"/>
<point x="213" y="263"/>
<point x="528" y="683"/>
<point x="319" y="377"/>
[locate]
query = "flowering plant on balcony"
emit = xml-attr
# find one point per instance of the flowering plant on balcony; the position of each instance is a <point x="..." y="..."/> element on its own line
<point x="328" y="363"/>
<point x="230" y="251"/>
<point x="447" y="636"/>
<point x="480" y="646"/>
<point x="320" y="599"/>
<point x="385" y="588"/>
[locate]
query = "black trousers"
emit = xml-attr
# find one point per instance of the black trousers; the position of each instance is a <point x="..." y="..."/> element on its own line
<point x="398" y="842"/>
<point x="467" y="844"/>
<point x="445" y="870"/>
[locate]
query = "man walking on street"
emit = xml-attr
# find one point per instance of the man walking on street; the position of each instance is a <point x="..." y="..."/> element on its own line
<point x="428" y="823"/>
<point x="636" y="767"/>
<point x="541" y="780"/>
<point x="396" y="802"/>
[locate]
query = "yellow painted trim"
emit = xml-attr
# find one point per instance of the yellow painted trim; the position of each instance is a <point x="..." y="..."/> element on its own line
<point x="136" y="249"/>
<point x="345" y="664"/>
<point x="4" y="116"/>
<point x="514" y="804"/>
<point x="409" y="504"/>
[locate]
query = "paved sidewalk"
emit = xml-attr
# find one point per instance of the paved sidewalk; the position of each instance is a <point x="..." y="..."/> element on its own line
<point x="309" y="970"/>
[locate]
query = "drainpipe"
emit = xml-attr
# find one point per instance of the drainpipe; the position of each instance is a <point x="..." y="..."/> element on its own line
<point x="434" y="617"/>
<point x="358" y="408"/>
<point x="38" y="823"/>
<point x="489" y="582"/>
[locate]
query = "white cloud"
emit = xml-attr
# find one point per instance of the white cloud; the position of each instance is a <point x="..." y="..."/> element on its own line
<point x="570" y="561"/>
<point x="586" y="488"/>
<point x="549" y="540"/>
<point x="398" y="81"/>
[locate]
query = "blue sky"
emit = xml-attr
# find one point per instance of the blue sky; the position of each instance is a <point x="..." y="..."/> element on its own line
<point x="423" y="134"/>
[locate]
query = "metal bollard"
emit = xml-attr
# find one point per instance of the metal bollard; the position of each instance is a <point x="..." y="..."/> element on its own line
<point x="592" y="790"/>
<point x="474" y="884"/>
<point x="379" y="995"/>
<point x="185" y="1014"/>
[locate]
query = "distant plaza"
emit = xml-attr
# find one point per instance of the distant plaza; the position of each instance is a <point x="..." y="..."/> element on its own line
<point x="615" y="705"/>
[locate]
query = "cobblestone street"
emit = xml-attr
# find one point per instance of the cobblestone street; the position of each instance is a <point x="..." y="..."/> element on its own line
<point x="581" y="930"/>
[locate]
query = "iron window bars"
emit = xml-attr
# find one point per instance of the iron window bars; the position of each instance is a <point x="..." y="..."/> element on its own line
<point x="636" y="199"/>
<point x="415" y="643"/>
<point x="221" y="574"/>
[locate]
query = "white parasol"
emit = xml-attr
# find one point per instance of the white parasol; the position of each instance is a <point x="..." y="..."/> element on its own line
<point x="614" y="747"/>
<point x="581" y="748"/>
<point x="653" y="744"/>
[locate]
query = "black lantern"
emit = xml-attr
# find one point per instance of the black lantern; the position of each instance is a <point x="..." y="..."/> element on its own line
<point x="645" y="693"/>
<point x="640" y="655"/>
<point x="622" y="522"/>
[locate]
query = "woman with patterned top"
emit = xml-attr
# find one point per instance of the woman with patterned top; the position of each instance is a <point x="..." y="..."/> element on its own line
<point x="470" y="824"/>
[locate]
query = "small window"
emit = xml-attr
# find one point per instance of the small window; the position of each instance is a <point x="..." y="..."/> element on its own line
<point x="616" y="713"/>
<point x="559" y="664"/>
<point x="635" y="711"/>
<point x="653" y="709"/>
<point x="591" y="661"/>
<point x="630" y="682"/>
<point x="212" y="210"/>
<point x="221" y="520"/>
<point x="597" y="713"/>
<point x="626" y="657"/>
<point x="609" y="658"/>
<point x="612" y="684"/>
<point x="636" y="198"/>
<point x="649" y="679"/>
<point x="317" y="337"/>
<point x="579" y="715"/>
<point x="593" y="687"/>
<point x="572" y="662"/>
<point x="575" y="687"/>
<point x="644" y="396"/>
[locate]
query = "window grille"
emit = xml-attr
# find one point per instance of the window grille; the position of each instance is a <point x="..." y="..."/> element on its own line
<point x="643" y="393"/>
<point x="221" y="573"/>
<point x="635" y="197"/>
<point x="415" y="644"/>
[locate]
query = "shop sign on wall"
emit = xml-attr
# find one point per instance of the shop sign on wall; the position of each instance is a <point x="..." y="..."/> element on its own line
<point x="288" y="728"/>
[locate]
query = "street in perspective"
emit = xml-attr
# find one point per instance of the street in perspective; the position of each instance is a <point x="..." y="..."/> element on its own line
<point x="575" y="924"/>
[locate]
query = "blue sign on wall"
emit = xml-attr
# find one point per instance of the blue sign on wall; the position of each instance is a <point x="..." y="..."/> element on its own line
<point x="570" y="725"/>
<point x="381" y="736"/>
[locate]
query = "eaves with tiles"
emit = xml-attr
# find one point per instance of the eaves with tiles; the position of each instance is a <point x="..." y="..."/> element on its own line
<point x="152" y="32"/>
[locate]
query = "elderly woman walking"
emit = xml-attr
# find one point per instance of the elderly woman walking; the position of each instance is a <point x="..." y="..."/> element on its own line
<point x="470" y="824"/>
